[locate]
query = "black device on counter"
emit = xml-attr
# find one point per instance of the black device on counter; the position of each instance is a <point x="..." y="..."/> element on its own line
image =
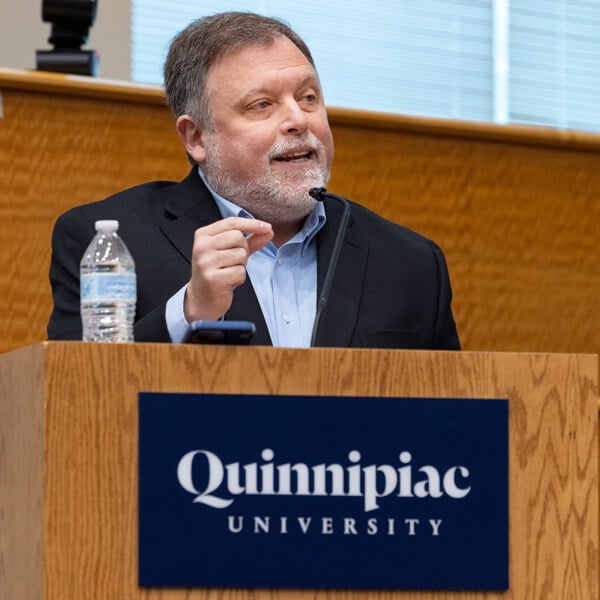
<point x="220" y="332"/>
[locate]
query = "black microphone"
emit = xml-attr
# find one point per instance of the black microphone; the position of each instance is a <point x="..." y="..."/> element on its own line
<point x="321" y="194"/>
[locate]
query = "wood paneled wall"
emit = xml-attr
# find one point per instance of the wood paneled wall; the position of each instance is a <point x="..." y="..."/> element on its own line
<point x="516" y="210"/>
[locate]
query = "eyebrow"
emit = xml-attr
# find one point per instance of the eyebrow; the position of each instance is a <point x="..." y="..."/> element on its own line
<point x="310" y="79"/>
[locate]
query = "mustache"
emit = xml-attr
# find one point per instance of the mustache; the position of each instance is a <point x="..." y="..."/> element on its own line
<point x="306" y="142"/>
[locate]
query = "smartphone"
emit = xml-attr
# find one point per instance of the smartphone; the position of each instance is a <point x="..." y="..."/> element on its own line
<point x="220" y="332"/>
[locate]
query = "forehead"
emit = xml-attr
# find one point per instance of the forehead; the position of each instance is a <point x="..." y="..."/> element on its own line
<point x="259" y="64"/>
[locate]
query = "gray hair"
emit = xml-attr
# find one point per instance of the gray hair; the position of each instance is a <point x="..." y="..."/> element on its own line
<point x="201" y="44"/>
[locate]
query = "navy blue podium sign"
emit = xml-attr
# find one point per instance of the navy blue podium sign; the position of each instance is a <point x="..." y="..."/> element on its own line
<point x="323" y="492"/>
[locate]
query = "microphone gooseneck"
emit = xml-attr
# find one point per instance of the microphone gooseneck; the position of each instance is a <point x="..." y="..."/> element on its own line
<point x="321" y="194"/>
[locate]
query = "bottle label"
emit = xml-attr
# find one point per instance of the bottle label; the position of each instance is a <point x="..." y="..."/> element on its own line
<point x="107" y="287"/>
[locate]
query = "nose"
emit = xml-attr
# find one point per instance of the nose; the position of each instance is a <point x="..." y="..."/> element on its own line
<point x="295" y="119"/>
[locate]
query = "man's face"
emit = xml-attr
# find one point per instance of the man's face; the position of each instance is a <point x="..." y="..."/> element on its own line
<point x="270" y="140"/>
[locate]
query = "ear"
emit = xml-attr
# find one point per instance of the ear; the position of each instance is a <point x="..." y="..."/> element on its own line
<point x="191" y="136"/>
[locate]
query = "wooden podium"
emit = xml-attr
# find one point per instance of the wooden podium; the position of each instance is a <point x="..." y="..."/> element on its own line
<point x="68" y="456"/>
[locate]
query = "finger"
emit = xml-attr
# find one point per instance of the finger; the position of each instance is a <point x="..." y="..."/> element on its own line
<point x="256" y="241"/>
<point x="229" y="257"/>
<point x="225" y="279"/>
<point x="246" y="226"/>
<point x="225" y="240"/>
<point x="207" y="265"/>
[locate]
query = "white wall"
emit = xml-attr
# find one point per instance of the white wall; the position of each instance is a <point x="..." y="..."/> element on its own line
<point x="22" y="32"/>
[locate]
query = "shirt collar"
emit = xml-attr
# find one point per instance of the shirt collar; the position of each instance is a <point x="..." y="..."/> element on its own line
<point x="313" y="223"/>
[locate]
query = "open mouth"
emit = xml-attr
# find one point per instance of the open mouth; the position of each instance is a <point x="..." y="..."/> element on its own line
<point x="295" y="157"/>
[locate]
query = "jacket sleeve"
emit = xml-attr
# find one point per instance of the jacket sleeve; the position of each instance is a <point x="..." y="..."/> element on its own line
<point x="70" y="237"/>
<point x="445" y="334"/>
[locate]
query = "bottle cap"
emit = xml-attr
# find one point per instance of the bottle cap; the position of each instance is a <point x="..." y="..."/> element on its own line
<point x="107" y="226"/>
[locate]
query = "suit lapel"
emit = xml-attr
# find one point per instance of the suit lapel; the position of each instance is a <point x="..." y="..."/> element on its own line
<point x="188" y="206"/>
<point x="245" y="307"/>
<point x="338" y="321"/>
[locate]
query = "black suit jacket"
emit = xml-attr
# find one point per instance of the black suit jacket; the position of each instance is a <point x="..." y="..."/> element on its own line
<point x="391" y="288"/>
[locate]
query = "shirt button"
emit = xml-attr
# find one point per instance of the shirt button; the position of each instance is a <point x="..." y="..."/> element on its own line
<point x="286" y="317"/>
<point x="279" y="262"/>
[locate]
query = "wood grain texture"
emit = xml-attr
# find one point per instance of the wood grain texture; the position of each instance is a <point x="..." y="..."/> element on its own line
<point x="21" y="474"/>
<point x="516" y="209"/>
<point x="90" y="459"/>
<point x="519" y="225"/>
<point x="81" y="86"/>
<point x="57" y="151"/>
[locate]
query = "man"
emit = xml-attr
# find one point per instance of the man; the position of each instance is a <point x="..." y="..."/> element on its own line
<point x="240" y="237"/>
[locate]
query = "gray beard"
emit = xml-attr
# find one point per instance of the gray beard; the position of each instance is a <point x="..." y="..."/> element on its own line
<point x="273" y="198"/>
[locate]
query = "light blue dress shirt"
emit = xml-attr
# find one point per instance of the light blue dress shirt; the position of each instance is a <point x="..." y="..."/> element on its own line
<point x="284" y="280"/>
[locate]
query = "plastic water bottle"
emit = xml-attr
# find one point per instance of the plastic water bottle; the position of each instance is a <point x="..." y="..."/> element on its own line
<point x="108" y="287"/>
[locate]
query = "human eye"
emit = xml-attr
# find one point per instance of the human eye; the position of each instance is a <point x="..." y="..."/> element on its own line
<point x="309" y="98"/>
<point x="259" y="105"/>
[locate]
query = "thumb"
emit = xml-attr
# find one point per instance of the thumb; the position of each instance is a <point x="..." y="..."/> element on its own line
<point x="256" y="241"/>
